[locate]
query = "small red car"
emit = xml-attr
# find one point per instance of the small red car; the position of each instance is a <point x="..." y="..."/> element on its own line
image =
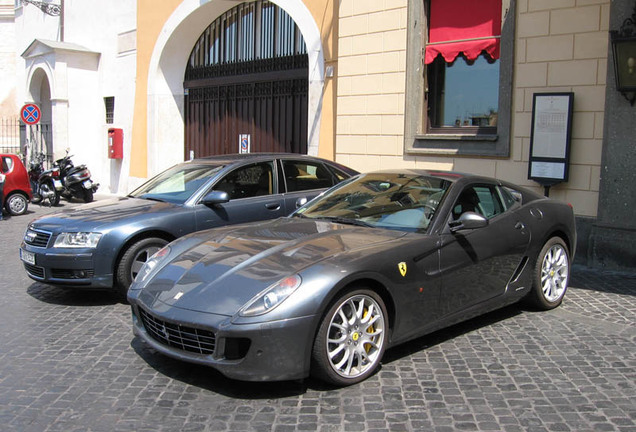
<point x="17" y="188"/>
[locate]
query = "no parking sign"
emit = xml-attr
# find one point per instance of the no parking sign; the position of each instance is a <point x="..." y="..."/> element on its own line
<point x="30" y="114"/>
<point x="244" y="143"/>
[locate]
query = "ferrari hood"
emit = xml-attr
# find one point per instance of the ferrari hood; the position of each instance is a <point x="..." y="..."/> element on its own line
<point x="219" y="271"/>
<point x="101" y="214"/>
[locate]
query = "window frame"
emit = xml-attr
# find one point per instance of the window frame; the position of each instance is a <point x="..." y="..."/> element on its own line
<point x="233" y="172"/>
<point x="316" y="164"/>
<point x="419" y="137"/>
<point x="494" y="194"/>
<point x="109" y="107"/>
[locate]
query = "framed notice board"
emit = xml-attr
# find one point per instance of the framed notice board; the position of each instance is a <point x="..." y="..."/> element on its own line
<point x="550" y="137"/>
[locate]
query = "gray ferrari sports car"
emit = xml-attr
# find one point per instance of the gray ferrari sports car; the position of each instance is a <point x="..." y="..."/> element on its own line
<point x="373" y="262"/>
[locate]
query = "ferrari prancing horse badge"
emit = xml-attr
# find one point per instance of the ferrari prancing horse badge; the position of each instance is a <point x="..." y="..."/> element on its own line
<point x="402" y="267"/>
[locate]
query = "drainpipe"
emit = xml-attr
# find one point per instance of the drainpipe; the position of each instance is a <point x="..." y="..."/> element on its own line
<point x="62" y="21"/>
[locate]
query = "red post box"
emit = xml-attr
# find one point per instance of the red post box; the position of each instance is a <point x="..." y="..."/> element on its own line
<point x="115" y="143"/>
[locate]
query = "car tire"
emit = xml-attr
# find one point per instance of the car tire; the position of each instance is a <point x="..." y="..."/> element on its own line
<point x="134" y="258"/>
<point x="347" y="358"/>
<point x="16" y="204"/>
<point x="551" y="275"/>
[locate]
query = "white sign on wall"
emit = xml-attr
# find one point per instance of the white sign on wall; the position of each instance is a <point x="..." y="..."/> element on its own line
<point x="244" y="143"/>
<point x="550" y="137"/>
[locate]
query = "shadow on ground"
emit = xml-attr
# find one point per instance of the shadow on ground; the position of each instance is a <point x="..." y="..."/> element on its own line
<point x="614" y="282"/>
<point x="211" y="380"/>
<point x="65" y="296"/>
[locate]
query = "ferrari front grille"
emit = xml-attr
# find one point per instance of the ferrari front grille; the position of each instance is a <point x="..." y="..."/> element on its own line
<point x="177" y="336"/>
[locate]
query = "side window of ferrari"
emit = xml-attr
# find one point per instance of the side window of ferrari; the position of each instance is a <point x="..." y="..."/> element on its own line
<point x="481" y="199"/>
<point x="509" y="197"/>
<point x="489" y="202"/>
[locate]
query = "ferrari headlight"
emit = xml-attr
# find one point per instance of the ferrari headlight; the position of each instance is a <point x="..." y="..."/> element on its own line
<point x="77" y="240"/>
<point x="272" y="296"/>
<point x="150" y="265"/>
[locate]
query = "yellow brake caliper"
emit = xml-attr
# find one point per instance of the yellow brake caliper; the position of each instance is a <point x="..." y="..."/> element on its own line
<point x="370" y="330"/>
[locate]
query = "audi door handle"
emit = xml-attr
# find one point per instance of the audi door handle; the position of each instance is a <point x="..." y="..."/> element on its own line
<point x="272" y="206"/>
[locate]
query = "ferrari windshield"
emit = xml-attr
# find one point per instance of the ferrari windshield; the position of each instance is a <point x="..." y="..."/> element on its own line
<point x="178" y="183"/>
<point x="388" y="200"/>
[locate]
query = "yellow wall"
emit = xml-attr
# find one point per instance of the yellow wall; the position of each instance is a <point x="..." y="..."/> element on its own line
<point x="151" y="17"/>
<point x="325" y="14"/>
<point x="559" y="47"/>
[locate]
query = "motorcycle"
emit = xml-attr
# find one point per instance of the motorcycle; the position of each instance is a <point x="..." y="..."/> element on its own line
<point x="76" y="180"/>
<point x="46" y="184"/>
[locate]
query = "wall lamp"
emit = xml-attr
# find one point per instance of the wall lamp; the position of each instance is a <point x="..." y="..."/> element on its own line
<point x="624" y="50"/>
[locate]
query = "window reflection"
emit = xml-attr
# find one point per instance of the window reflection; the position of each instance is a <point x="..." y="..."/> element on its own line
<point x="464" y="93"/>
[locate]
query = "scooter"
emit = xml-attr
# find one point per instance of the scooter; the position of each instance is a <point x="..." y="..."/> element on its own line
<point x="46" y="184"/>
<point x="76" y="180"/>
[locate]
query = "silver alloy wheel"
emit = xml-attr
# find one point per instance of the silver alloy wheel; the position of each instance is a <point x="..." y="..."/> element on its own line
<point x="17" y="204"/>
<point x="355" y="336"/>
<point x="140" y="259"/>
<point x="554" y="273"/>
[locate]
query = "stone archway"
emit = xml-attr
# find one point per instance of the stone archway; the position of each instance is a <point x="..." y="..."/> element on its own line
<point x="40" y="135"/>
<point x="247" y="76"/>
<point x="165" y="140"/>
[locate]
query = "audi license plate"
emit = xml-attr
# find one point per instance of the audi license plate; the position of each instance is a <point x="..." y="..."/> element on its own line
<point x="27" y="257"/>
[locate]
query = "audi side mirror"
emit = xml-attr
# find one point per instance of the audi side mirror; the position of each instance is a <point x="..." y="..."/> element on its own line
<point x="215" y="197"/>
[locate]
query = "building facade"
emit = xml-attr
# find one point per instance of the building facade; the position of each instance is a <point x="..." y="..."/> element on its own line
<point x="377" y="85"/>
<point x="77" y="63"/>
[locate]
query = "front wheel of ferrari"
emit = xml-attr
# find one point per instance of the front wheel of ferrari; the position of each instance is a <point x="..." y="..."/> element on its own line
<point x="551" y="275"/>
<point x="351" y="339"/>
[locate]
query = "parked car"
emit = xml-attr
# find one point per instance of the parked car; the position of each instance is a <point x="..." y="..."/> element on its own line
<point x="17" y="188"/>
<point x="104" y="244"/>
<point x="376" y="261"/>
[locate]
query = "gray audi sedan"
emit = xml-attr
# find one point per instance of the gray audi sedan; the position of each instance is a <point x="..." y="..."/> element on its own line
<point x="104" y="244"/>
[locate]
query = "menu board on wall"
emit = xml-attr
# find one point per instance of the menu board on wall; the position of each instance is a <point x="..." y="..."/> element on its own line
<point x="550" y="137"/>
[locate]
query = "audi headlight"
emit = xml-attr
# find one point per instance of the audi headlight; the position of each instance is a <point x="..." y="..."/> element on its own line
<point x="271" y="297"/>
<point x="77" y="240"/>
<point x="150" y="265"/>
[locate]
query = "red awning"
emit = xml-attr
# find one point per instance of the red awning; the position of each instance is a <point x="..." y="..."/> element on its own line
<point x="468" y="26"/>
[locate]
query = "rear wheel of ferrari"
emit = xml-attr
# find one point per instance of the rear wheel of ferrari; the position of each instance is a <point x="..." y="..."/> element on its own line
<point x="351" y="339"/>
<point x="551" y="275"/>
<point x="134" y="258"/>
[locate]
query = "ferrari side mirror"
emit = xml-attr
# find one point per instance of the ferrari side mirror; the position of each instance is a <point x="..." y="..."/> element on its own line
<point x="468" y="220"/>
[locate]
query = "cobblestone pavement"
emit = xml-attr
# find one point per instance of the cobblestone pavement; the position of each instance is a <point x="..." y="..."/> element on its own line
<point x="69" y="362"/>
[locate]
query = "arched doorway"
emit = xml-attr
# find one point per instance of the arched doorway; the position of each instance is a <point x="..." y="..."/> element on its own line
<point x="40" y="136"/>
<point x="247" y="75"/>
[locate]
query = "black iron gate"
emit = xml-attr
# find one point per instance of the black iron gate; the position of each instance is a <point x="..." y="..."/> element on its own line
<point x="247" y="74"/>
<point x="28" y="141"/>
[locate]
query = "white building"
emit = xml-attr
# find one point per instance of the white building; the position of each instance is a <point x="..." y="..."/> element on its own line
<point x="76" y="61"/>
<point x="8" y="102"/>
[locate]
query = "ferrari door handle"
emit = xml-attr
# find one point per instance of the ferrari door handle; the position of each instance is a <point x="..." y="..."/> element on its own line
<point x="520" y="225"/>
<point x="272" y="206"/>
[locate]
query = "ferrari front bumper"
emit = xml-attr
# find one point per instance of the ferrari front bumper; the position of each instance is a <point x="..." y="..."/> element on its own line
<point x="269" y="351"/>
